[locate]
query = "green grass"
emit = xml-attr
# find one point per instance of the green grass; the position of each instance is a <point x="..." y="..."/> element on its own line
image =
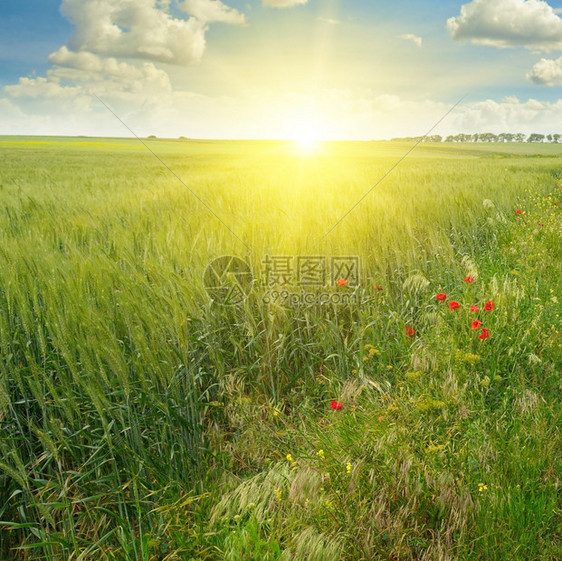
<point x="140" y="420"/>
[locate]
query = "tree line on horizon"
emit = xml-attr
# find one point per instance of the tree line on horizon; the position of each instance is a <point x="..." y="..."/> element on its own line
<point x="486" y="137"/>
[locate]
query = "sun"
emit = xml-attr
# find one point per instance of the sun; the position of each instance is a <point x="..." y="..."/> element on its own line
<point x="306" y="139"/>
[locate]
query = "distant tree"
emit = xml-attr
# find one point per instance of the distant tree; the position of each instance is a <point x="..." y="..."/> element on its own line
<point x="488" y="137"/>
<point x="152" y="136"/>
<point x="535" y="137"/>
<point x="409" y="139"/>
<point x="482" y="137"/>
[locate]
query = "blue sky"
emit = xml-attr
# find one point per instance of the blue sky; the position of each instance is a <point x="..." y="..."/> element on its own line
<point x="280" y="68"/>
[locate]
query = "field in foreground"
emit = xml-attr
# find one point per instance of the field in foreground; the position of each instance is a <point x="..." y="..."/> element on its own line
<point x="142" y="420"/>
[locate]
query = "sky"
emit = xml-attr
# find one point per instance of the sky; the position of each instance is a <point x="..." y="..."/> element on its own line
<point x="320" y="69"/>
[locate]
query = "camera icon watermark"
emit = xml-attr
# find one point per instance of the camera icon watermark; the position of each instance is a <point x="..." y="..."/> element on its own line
<point x="228" y="280"/>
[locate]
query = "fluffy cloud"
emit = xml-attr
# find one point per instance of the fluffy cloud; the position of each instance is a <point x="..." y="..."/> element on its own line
<point x="43" y="100"/>
<point x="106" y="32"/>
<point x="283" y="3"/>
<point x="546" y="72"/>
<point x="509" y="115"/>
<point x="212" y="11"/>
<point x="41" y="88"/>
<point x="508" y="23"/>
<point x="143" y="28"/>
<point x="413" y="38"/>
<point x="384" y="116"/>
<point x="77" y="76"/>
<point x="85" y="67"/>
<point x="261" y="113"/>
<point x="133" y="29"/>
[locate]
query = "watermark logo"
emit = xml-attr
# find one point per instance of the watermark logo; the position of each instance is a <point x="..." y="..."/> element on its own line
<point x="228" y="280"/>
<point x="287" y="280"/>
<point x="310" y="270"/>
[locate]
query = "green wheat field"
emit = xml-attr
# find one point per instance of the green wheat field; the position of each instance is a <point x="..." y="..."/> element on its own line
<point x="141" y="419"/>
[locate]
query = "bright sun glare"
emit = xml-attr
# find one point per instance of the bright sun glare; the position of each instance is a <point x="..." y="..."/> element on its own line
<point x="306" y="139"/>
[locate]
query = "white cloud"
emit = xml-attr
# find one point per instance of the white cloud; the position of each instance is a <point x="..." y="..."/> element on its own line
<point x="105" y="33"/>
<point x="212" y="11"/>
<point x="45" y="100"/>
<point x="85" y="61"/>
<point x="76" y="77"/>
<point x="413" y="38"/>
<point x="143" y="28"/>
<point x="389" y="115"/>
<point x="509" y="115"/>
<point x="40" y="88"/>
<point x="546" y="72"/>
<point x="85" y="67"/>
<point x="508" y="23"/>
<point x="283" y="3"/>
<point x="344" y="114"/>
<point x="329" y="21"/>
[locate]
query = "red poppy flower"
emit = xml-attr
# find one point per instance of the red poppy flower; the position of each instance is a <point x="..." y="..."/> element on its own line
<point x="378" y="287"/>
<point x="342" y="282"/>
<point x="476" y="324"/>
<point x="441" y="297"/>
<point x="454" y="305"/>
<point x="517" y="211"/>
<point x="409" y="331"/>
<point x="336" y="405"/>
<point x="469" y="279"/>
<point x="474" y="308"/>
<point x="485" y="334"/>
<point x="489" y="306"/>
